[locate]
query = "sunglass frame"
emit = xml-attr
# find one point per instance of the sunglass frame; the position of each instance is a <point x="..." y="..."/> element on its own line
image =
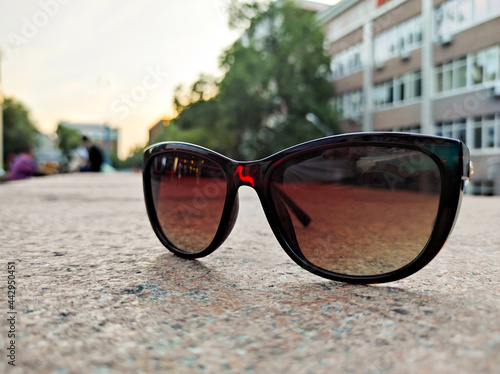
<point x="451" y="156"/>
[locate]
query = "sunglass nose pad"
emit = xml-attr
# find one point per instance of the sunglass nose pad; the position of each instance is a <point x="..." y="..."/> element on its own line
<point x="232" y="218"/>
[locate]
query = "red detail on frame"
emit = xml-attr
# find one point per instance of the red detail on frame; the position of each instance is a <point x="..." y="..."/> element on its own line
<point x="244" y="178"/>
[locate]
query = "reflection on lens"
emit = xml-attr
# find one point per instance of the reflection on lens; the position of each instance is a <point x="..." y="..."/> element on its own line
<point x="371" y="210"/>
<point x="188" y="193"/>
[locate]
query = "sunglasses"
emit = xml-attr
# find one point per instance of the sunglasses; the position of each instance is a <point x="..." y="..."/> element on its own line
<point x="357" y="208"/>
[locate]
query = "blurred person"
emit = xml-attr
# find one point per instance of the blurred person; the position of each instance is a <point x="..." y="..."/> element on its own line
<point x="80" y="159"/>
<point x="23" y="165"/>
<point x="95" y="158"/>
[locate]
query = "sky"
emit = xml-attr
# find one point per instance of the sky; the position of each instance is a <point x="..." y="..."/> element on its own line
<point x="115" y="62"/>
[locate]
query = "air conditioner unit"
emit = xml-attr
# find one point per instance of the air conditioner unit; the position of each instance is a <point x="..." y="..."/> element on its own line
<point x="445" y="38"/>
<point x="495" y="90"/>
<point x="404" y="55"/>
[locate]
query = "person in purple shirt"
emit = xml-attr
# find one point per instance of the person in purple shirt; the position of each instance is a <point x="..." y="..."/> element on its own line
<point x="23" y="166"/>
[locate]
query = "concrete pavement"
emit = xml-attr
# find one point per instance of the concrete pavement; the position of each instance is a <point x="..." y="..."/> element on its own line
<point x="98" y="293"/>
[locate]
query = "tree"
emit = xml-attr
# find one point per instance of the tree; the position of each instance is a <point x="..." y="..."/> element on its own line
<point x="276" y="75"/>
<point x="199" y="112"/>
<point x="68" y="140"/>
<point x="19" y="130"/>
<point x="133" y="161"/>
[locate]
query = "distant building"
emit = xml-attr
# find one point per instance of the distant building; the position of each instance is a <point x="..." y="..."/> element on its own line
<point x="157" y="129"/>
<point x="103" y="136"/>
<point x="48" y="156"/>
<point x="423" y="66"/>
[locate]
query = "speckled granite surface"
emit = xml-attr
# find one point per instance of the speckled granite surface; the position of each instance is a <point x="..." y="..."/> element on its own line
<point x="98" y="293"/>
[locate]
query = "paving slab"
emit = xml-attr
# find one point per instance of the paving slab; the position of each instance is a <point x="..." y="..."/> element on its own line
<point x="98" y="293"/>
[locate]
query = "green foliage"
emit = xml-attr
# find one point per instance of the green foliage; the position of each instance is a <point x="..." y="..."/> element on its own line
<point x="276" y="74"/>
<point x="133" y="161"/>
<point x="241" y="13"/>
<point x="68" y="140"/>
<point x="200" y="135"/>
<point x="18" y="129"/>
<point x="202" y="90"/>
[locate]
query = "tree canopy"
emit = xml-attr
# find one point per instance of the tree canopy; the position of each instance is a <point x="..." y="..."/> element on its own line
<point x="133" y="160"/>
<point x="68" y="140"/>
<point x="276" y="75"/>
<point x="18" y="129"/>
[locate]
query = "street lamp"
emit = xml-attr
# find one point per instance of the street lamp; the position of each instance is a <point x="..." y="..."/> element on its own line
<point x="313" y="118"/>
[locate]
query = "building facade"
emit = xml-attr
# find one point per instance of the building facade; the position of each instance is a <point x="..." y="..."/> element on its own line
<point x="48" y="156"/>
<point x="103" y="136"/>
<point x="423" y="66"/>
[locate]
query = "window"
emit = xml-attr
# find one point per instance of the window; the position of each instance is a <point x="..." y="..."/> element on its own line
<point x="464" y="13"/>
<point x="491" y="62"/>
<point x="384" y="93"/>
<point x="417" y="31"/>
<point x="456" y="15"/>
<point x="378" y="48"/>
<point x="477" y="133"/>
<point x="350" y="104"/>
<point x="355" y="103"/>
<point x="391" y="43"/>
<point x="477" y="68"/>
<point x="452" y="129"/>
<point x="444" y="76"/>
<point x="412" y="129"/>
<point x="474" y="69"/>
<point x="412" y="83"/>
<point x="484" y="187"/>
<point x="485" y="65"/>
<point x="378" y="95"/>
<point x="480" y="9"/>
<point x="460" y="130"/>
<point x="489" y="131"/>
<point x="448" y="129"/>
<point x="481" y="132"/>
<point x="399" y="39"/>
<point x="438" y="129"/>
<point x="418" y="84"/>
<point x="347" y="62"/>
<point x="447" y="76"/>
<point x="450" y="75"/>
<point x="404" y="36"/>
<point x="460" y="73"/>
<point x="389" y="92"/>
<point x="439" y="78"/>
<point x="485" y="132"/>
<point x="409" y="33"/>
<point x="497" y="133"/>
<point x="400" y="90"/>
<point x="445" y="17"/>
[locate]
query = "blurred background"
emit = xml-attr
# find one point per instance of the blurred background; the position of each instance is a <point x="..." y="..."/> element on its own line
<point x="246" y="78"/>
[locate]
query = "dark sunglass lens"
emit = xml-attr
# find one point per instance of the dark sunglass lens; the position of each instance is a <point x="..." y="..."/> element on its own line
<point x="360" y="211"/>
<point x="188" y="192"/>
